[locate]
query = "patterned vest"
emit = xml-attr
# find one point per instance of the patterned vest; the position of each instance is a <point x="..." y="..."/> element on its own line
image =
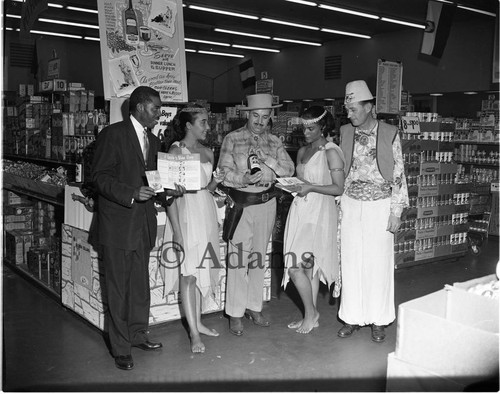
<point x="385" y="137"/>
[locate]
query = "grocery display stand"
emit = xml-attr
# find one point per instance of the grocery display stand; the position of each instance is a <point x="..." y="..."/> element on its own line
<point x="434" y="227"/>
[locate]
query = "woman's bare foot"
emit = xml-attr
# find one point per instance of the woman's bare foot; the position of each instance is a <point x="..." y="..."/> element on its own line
<point x="207" y="331"/>
<point x="309" y="324"/>
<point x="197" y="345"/>
<point x="295" y="324"/>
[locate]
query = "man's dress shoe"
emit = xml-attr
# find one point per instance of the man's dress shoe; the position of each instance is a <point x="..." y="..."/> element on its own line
<point x="378" y="333"/>
<point x="124" y="362"/>
<point x="347" y="330"/>
<point x="257" y="318"/>
<point x="148" y="345"/>
<point x="235" y="326"/>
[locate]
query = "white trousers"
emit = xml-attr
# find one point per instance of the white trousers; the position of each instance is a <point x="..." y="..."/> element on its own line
<point x="367" y="263"/>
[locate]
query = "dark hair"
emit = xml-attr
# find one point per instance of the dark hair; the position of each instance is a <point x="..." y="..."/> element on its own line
<point x="326" y="122"/>
<point x="184" y="116"/>
<point x="141" y="95"/>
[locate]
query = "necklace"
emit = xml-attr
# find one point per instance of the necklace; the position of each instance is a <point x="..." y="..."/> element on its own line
<point x="367" y="131"/>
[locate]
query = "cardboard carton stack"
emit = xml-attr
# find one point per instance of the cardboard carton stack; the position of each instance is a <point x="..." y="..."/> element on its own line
<point x="446" y="341"/>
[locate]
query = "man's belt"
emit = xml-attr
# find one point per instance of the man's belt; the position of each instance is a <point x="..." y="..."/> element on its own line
<point x="246" y="199"/>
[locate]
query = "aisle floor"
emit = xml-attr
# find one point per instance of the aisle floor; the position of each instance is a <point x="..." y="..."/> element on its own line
<point x="49" y="348"/>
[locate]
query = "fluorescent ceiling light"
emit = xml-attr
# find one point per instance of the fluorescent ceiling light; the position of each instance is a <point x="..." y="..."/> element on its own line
<point x="470" y="93"/>
<point x="288" y="101"/>
<point x="13" y="16"/>
<point x="329" y="99"/>
<point x="241" y="33"/>
<point x="206" y="9"/>
<point x="69" y="7"/>
<point x="11" y="28"/>
<point x="346" y="11"/>
<point x="403" y="23"/>
<point x="49" y="33"/>
<point x="476" y="10"/>
<point x="190" y="50"/>
<point x="92" y="38"/>
<point x="256" y="48"/>
<point x="346" y="33"/>
<point x="54" y="5"/>
<point x="220" y="54"/>
<point x="316" y="44"/>
<point x="304" y="2"/>
<point x="289" y="23"/>
<point x="68" y="23"/>
<point x="222" y="44"/>
<point x="307" y="100"/>
<point x="436" y="94"/>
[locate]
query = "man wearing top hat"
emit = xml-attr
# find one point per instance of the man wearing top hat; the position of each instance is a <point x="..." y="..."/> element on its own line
<point x="251" y="212"/>
<point x="375" y="194"/>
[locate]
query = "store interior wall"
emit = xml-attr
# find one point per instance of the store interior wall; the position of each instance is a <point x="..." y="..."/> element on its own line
<point x="297" y="72"/>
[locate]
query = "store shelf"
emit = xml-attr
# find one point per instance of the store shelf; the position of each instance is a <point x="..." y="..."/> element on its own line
<point x="56" y="200"/>
<point x="40" y="160"/>
<point x="462" y="142"/>
<point x="22" y="269"/>
<point x="477" y="164"/>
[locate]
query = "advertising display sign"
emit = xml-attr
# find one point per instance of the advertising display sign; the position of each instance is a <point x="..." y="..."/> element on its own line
<point x="389" y="83"/>
<point x="142" y="43"/>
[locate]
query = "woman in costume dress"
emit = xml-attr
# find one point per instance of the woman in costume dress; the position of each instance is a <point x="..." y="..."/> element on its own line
<point x="195" y="228"/>
<point x="310" y="239"/>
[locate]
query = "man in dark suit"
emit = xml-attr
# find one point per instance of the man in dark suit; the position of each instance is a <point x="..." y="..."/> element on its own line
<point x="127" y="221"/>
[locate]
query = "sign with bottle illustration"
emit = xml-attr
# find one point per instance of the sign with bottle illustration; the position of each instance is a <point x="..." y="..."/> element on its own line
<point x="142" y="43"/>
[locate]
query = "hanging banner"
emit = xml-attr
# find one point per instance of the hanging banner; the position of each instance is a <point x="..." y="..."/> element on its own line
<point x="142" y="43"/>
<point x="389" y="84"/>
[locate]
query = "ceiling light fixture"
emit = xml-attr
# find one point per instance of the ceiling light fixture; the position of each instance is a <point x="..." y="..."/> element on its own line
<point x="69" y="7"/>
<point x="316" y="44"/>
<point x="476" y="10"/>
<point x="50" y="33"/>
<point x="221" y="54"/>
<point x="206" y="9"/>
<point x="436" y="94"/>
<point x="13" y="16"/>
<point x="304" y="2"/>
<point x="289" y="23"/>
<point x="222" y="44"/>
<point x="92" y="38"/>
<point x="418" y="26"/>
<point x="68" y="23"/>
<point x="256" y="48"/>
<point x="288" y="101"/>
<point x="470" y="93"/>
<point x="55" y="5"/>
<point x="241" y="33"/>
<point x="346" y="11"/>
<point x="190" y="50"/>
<point x="346" y="33"/>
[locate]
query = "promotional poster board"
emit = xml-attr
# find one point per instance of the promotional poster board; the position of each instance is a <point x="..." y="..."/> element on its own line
<point x="389" y="85"/>
<point x="142" y="43"/>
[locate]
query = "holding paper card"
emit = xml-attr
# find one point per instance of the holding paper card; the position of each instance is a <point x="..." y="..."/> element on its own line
<point x="181" y="169"/>
<point x="288" y="184"/>
<point x="154" y="180"/>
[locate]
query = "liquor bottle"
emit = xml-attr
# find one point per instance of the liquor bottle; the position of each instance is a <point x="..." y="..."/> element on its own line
<point x="130" y="24"/>
<point x="79" y="162"/>
<point x="253" y="163"/>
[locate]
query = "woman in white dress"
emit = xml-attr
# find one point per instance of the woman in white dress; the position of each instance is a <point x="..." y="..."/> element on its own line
<point x="194" y="224"/>
<point x="310" y="239"/>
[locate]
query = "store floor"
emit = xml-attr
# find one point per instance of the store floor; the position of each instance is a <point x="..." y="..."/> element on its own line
<point x="48" y="348"/>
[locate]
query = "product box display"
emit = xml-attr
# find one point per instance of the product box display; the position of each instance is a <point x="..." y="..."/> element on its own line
<point x="452" y="333"/>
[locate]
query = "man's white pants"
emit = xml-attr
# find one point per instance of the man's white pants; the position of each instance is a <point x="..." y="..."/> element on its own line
<point x="367" y="263"/>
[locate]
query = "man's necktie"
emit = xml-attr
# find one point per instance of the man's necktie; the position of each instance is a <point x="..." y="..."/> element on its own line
<point x="146" y="145"/>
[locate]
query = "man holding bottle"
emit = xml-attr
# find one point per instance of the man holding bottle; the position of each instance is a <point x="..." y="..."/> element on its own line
<point x="252" y="158"/>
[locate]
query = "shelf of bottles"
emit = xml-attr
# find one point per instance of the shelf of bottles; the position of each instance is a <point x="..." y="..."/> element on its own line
<point x="435" y="225"/>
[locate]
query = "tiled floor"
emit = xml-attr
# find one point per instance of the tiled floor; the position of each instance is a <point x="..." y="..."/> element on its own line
<point x="49" y="348"/>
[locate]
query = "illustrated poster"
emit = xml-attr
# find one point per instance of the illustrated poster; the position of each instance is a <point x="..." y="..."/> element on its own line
<point x="142" y="43"/>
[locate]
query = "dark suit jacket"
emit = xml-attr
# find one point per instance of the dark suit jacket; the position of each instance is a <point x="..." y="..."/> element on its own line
<point x="118" y="169"/>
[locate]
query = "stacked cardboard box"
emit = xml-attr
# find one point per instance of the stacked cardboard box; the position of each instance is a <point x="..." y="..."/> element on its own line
<point x="446" y="340"/>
